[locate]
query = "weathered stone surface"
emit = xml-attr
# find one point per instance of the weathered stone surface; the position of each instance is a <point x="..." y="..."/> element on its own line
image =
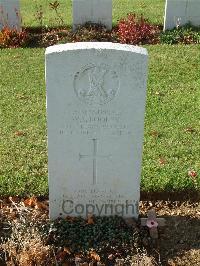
<point x="180" y="12"/>
<point x="94" y="11"/>
<point x="10" y="14"/>
<point x="95" y="106"/>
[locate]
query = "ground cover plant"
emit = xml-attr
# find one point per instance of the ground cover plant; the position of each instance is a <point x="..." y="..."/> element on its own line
<point x="132" y="29"/>
<point x="187" y="34"/>
<point x="29" y="238"/>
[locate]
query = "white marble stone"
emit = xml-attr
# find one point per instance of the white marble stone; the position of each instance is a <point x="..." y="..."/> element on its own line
<point x="10" y="14"/>
<point x="95" y="107"/>
<point x="94" y="11"/>
<point x="180" y="12"/>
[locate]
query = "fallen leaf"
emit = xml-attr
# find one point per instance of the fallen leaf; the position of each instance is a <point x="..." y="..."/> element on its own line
<point x="20" y="133"/>
<point x="67" y="250"/>
<point x="162" y="161"/>
<point x="90" y="219"/>
<point x="31" y="202"/>
<point x="192" y="173"/>
<point x="154" y="133"/>
<point x="94" y="256"/>
<point x="190" y="130"/>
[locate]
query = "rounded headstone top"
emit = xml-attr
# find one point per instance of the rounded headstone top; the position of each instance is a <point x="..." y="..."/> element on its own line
<point x="97" y="46"/>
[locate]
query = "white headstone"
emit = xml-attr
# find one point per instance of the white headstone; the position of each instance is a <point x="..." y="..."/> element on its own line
<point x="95" y="107"/>
<point x="94" y="11"/>
<point x="10" y="14"/>
<point x="180" y="12"/>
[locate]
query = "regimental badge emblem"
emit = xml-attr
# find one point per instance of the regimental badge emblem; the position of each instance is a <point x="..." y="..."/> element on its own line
<point x="96" y="84"/>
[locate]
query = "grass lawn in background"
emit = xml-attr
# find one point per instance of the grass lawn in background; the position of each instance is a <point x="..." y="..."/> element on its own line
<point x="151" y="9"/>
<point x="171" y="143"/>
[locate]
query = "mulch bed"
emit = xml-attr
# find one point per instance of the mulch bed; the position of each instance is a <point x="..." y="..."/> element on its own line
<point x="29" y="238"/>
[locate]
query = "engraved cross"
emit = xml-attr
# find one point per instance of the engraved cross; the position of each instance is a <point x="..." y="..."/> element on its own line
<point x="94" y="157"/>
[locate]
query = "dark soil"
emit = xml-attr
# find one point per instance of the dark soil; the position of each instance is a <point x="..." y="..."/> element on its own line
<point x="179" y="240"/>
<point x="29" y="238"/>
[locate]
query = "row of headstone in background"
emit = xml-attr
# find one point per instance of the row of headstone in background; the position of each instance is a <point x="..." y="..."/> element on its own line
<point x="95" y="107"/>
<point x="94" y="11"/>
<point x="10" y="14"/>
<point x="180" y="12"/>
<point x="177" y="13"/>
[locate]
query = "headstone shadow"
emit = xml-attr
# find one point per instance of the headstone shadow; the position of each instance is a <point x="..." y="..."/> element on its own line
<point x="180" y="235"/>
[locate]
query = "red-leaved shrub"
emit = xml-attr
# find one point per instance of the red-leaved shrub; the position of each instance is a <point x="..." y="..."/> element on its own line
<point x="133" y="30"/>
<point x="13" y="38"/>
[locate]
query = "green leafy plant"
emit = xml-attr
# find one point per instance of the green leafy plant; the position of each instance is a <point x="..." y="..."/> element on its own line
<point x="186" y="34"/>
<point x="55" y="7"/>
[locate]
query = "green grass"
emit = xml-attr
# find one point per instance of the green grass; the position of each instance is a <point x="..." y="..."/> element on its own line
<point x="172" y="106"/>
<point x="151" y="9"/>
<point x="23" y="166"/>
